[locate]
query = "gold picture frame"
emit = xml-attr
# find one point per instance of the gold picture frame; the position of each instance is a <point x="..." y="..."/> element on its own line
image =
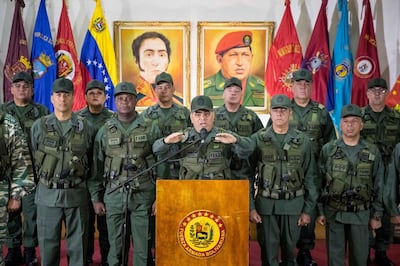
<point x="213" y="35"/>
<point x="173" y="38"/>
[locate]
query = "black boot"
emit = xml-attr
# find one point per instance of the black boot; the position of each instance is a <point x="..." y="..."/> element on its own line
<point x="381" y="259"/>
<point x="30" y="256"/>
<point x="14" y="257"/>
<point x="304" y="258"/>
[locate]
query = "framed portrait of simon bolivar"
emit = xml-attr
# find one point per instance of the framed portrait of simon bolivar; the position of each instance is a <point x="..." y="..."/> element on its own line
<point x="145" y="49"/>
<point x="234" y="49"/>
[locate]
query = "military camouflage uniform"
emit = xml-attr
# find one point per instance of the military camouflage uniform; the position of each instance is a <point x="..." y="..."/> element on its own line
<point x="352" y="194"/>
<point x="62" y="151"/>
<point x="254" y="94"/>
<point x="26" y="116"/>
<point x="16" y="169"/>
<point x="120" y="152"/>
<point x="97" y="120"/>
<point x="382" y="129"/>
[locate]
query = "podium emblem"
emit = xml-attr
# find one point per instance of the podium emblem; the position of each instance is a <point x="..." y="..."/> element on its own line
<point x="202" y="233"/>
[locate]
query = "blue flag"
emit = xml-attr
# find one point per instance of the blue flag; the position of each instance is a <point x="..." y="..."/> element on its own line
<point x="43" y="58"/>
<point x="98" y="56"/>
<point x="342" y="64"/>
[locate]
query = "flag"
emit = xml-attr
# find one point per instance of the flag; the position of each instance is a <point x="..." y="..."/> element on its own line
<point x="98" y="56"/>
<point x="43" y="58"/>
<point x="366" y="63"/>
<point x="317" y="59"/>
<point x="17" y="56"/>
<point x="342" y="63"/>
<point x="393" y="99"/>
<point x="67" y="59"/>
<point x="285" y="57"/>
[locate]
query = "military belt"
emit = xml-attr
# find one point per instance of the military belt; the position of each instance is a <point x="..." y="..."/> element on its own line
<point x="61" y="183"/>
<point x="340" y="206"/>
<point x="141" y="179"/>
<point x="282" y="195"/>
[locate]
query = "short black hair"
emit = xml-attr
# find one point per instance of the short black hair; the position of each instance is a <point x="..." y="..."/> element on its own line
<point x="148" y="35"/>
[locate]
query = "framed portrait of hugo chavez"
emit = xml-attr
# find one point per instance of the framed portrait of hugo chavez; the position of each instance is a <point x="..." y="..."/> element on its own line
<point x="234" y="49"/>
<point x="145" y="49"/>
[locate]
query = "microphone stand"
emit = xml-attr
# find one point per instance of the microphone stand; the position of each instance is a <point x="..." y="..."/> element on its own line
<point x="127" y="186"/>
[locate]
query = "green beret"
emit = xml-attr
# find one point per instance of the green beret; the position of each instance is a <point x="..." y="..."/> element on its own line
<point x="63" y="85"/>
<point x="125" y="87"/>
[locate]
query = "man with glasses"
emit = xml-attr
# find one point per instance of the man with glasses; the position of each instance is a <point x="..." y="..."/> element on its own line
<point x="381" y="127"/>
<point x="352" y="185"/>
<point x="287" y="190"/>
<point x="210" y="157"/>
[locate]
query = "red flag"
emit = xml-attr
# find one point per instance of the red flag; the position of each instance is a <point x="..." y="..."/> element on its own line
<point x="17" y="56"/>
<point x="393" y="99"/>
<point x="318" y="59"/>
<point x="67" y="59"/>
<point x="366" y="64"/>
<point x="284" y="56"/>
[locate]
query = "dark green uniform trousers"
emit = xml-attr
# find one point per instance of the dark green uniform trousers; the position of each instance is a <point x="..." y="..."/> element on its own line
<point x="278" y="233"/>
<point x="139" y="209"/>
<point x="49" y="221"/>
<point x="338" y="235"/>
<point x="15" y="225"/>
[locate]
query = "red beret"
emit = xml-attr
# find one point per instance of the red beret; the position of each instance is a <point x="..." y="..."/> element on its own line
<point x="234" y="39"/>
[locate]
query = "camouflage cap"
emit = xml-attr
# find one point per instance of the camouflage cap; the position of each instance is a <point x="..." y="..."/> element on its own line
<point x="22" y="76"/>
<point x="233" y="81"/>
<point x="63" y="85"/>
<point x="302" y="74"/>
<point x="95" y="84"/>
<point x="350" y="110"/>
<point x="125" y="87"/>
<point x="377" y="82"/>
<point x="280" y="101"/>
<point x="235" y="39"/>
<point x="201" y="103"/>
<point x="164" y="77"/>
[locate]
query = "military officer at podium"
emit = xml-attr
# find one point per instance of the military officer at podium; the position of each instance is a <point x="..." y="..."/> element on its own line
<point x="212" y="148"/>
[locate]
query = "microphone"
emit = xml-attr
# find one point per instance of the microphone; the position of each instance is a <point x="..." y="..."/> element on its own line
<point x="203" y="134"/>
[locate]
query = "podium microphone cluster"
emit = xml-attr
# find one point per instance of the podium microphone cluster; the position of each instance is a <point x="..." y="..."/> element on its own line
<point x="203" y="135"/>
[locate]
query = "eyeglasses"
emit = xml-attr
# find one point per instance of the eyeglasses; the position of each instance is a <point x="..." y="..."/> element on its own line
<point x="377" y="90"/>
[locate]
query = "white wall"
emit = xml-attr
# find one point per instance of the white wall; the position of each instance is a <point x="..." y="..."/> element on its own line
<point x="385" y="12"/>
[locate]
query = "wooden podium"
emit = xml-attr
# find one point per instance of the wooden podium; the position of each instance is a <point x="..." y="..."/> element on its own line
<point x="202" y="222"/>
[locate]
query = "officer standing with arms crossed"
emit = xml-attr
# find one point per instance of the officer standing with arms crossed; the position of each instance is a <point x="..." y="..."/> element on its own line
<point x="352" y="185"/>
<point x="16" y="173"/>
<point x="122" y="149"/>
<point x="287" y="190"/>
<point x="26" y="112"/>
<point x="97" y="115"/>
<point x="381" y="127"/>
<point x="209" y="158"/>
<point x="61" y="145"/>
<point x="314" y="121"/>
